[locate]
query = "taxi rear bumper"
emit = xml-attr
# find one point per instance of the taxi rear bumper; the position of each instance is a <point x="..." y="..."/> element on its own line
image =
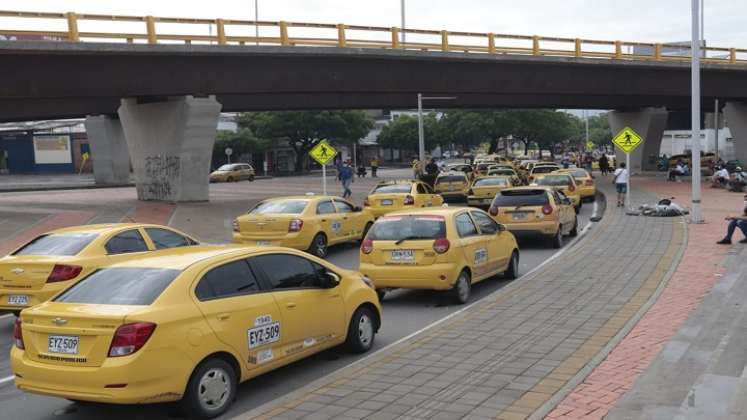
<point x="294" y="241"/>
<point x="411" y="276"/>
<point x="546" y="228"/>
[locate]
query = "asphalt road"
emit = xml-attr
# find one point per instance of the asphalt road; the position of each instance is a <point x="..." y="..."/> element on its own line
<point x="405" y="312"/>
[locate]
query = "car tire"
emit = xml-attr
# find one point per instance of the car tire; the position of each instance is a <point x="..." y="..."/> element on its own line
<point x="319" y="245"/>
<point x="229" y="179"/>
<point x="462" y="288"/>
<point x="557" y="240"/>
<point x="361" y="331"/>
<point x="365" y="230"/>
<point x="381" y="293"/>
<point x="574" y="232"/>
<point x="211" y="389"/>
<point x="512" y="271"/>
<point x="251" y="178"/>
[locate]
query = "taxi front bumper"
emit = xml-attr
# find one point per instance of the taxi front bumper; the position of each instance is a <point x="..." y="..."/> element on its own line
<point x="120" y="380"/>
<point x="411" y="276"/>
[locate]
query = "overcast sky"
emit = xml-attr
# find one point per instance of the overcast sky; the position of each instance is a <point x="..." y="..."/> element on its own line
<point x="628" y="20"/>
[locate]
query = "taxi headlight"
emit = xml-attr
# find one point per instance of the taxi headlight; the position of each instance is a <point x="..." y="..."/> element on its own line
<point x="368" y="282"/>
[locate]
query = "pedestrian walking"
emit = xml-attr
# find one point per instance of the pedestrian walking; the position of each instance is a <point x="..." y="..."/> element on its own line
<point x="734" y="223"/>
<point x="621" y="183"/>
<point x="374" y="167"/>
<point x="346" y="178"/>
<point x="604" y="165"/>
<point x="431" y="171"/>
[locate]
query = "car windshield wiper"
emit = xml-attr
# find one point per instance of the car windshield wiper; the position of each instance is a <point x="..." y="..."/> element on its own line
<point x="410" y="238"/>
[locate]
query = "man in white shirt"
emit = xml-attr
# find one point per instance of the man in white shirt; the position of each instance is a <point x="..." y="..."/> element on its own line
<point x="678" y="170"/>
<point x="621" y="184"/>
<point x="721" y="178"/>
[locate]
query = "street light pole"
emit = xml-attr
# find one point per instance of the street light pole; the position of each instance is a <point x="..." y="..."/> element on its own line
<point x="402" y="12"/>
<point x="696" y="215"/>
<point x="256" y="20"/>
<point x="421" y="135"/>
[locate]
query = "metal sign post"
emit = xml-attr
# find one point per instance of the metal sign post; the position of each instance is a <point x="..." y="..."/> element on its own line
<point x="324" y="179"/>
<point x="627" y="187"/>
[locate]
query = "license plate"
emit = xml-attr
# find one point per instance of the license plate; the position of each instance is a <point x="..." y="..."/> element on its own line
<point x="403" y="256"/>
<point x="66" y="344"/>
<point x="18" y="300"/>
<point x="265" y="334"/>
<point x="386" y="202"/>
<point x="519" y="216"/>
<point x="263" y="243"/>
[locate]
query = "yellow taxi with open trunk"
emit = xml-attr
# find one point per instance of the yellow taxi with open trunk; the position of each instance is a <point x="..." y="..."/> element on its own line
<point x="189" y="325"/>
<point x="438" y="249"/>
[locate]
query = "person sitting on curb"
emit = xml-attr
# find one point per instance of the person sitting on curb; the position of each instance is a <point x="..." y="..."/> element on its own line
<point x="678" y="170"/>
<point x="721" y="178"/>
<point x="734" y="223"/>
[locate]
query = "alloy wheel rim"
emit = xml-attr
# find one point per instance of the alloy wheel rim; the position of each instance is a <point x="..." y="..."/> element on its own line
<point x="365" y="330"/>
<point x="214" y="389"/>
<point x="321" y="246"/>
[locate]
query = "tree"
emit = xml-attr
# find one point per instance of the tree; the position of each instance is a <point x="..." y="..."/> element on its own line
<point x="599" y="130"/>
<point x="242" y="141"/>
<point x="471" y="128"/>
<point x="402" y="133"/>
<point x="302" y="130"/>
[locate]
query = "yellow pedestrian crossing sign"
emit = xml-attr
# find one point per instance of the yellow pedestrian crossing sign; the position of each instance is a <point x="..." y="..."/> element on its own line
<point x="627" y="140"/>
<point x="323" y="152"/>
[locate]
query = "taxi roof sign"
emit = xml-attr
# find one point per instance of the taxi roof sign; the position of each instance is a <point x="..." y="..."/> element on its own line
<point x="323" y="152"/>
<point x="627" y="140"/>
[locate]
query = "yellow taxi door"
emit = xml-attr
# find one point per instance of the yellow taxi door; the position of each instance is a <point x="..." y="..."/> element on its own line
<point x="330" y="221"/>
<point x="432" y="199"/>
<point x="473" y="245"/>
<point x="352" y="222"/>
<point x="127" y="245"/>
<point x="240" y="314"/>
<point x="566" y="212"/>
<point x="497" y="244"/>
<point x="313" y="314"/>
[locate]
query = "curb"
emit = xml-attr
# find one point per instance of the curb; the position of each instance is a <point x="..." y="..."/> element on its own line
<point x="82" y="187"/>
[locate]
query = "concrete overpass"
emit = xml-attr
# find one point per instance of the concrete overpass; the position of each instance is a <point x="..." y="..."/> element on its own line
<point x="160" y="103"/>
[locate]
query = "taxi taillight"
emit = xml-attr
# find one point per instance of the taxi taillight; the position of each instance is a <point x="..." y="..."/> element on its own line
<point x="295" y="225"/>
<point x="235" y="225"/>
<point x="589" y="182"/>
<point x="441" y="245"/>
<point x="130" y="338"/>
<point x="62" y="272"/>
<point x="409" y="200"/>
<point x="547" y="209"/>
<point x="493" y="211"/>
<point x="367" y="246"/>
<point x="571" y="188"/>
<point x="18" y="334"/>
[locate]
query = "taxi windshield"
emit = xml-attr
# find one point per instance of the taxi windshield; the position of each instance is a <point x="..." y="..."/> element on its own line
<point x="120" y="286"/>
<point x="280" y="207"/>
<point x="521" y="198"/>
<point x="395" y="228"/>
<point x="491" y="181"/>
<point x="227" y="168"/>
<point x="554" y="180"/>
<point x="393" y="189"/>
<point x="57" y="244"/>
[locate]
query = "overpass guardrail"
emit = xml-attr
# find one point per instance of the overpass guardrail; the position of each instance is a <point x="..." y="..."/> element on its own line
<point x="75" y="27"/>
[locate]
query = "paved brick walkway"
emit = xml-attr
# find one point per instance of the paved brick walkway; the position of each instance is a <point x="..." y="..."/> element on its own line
<point x="509" y="354"/>
<point x="699" y="269"/>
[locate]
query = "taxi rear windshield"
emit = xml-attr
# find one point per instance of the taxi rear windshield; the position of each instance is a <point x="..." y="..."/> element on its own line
<point x="280" y="207"/>
<point x="57" y="245"/>
<point x="451" y="178"/>
<point x="395" y="228"/>
<point x="544" y="169"/>
<point x="554" y="180"/>
<point x="120" y="286"/>
<point x="579" y="173"/>
<point x="490" y="181"/>
<point x="521" y="198"/>
<point x="393" y="189"/>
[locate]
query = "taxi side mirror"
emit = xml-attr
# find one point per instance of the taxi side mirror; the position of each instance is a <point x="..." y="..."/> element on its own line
<point x="332" y="280"/>
<point x="357" y="209"/>
<point x="501" y="228"/>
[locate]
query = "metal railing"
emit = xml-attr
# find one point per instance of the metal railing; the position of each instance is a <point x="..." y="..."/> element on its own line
<point x="159" y="30"/>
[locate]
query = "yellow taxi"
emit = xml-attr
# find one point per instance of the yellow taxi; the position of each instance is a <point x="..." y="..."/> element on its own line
<point x="396" y="195"/>
<point x="584" y="182"/>
<point x="437" y="249"/>
<point x="189" y="325"/>
<point x="563" y="182"/>
<point x="484" y="189"/>
<point x="55" y="260"/>
<point x="452" y="185"/>
<point x="233" y="172"/>
<point x="509" y="172"/>
<point x="541" y="168"/>
<point x="536" y="211"/>
<point x="307" y="222"/>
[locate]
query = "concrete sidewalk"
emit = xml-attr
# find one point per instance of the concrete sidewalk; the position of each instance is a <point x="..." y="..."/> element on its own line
<point x="518" y="352"/>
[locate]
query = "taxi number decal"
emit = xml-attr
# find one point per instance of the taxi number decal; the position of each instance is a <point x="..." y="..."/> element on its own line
<point x="481" y="256"/>
<point x="262" y="356"/>
<point x="266" y="334"/>
<point x="262" y="320"/>
<point x="336" y="226"/>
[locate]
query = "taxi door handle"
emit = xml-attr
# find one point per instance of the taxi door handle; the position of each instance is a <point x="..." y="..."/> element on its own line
<point x="290" y="305"/>
<point x="324" y="220"/>
<point x="223" y="317"/>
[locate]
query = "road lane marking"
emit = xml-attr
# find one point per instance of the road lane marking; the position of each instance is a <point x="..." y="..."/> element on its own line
<point x="7" y="379"/>
<point x="6" y="316"/>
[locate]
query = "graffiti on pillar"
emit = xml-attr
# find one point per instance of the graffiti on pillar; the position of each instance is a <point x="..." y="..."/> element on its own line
<point x="161" y="173"/>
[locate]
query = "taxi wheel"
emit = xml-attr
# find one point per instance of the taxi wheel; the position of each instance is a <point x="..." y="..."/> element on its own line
<point x="251" y="178"/>
<point x="462" y="288"/>
<point x="512" y="271"/>
<point x="381" y="293"/>
<point x="319" y="246"/>
<point x="557" y="240"/>
<point x="574" y="231"/>
<point x="211" y="389"/>
<point x="229" y="179"/>
<point x="361" y="331"/>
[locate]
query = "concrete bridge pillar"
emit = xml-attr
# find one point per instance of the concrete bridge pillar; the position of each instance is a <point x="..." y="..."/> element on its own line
<point x="735" y="115"/>
<point x="111" y="161"/>
<point x="171" y="145"/>
<point x="649" y="123"/>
